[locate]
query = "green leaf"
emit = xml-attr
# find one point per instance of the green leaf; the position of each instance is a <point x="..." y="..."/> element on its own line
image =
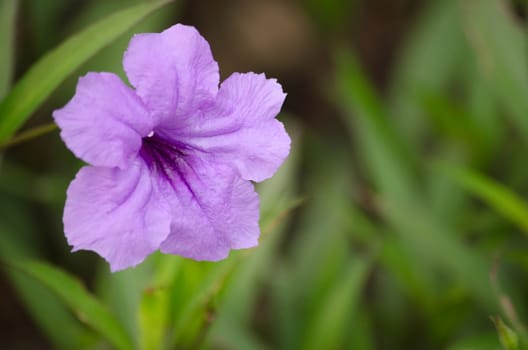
<point x="500" y="45"/>
<point x="242" y="289"/>
<point x="507" y="337"/>
<point x="48" y="312"/>
<point x="45" y="75"/>
<point x="481" y="341"/>
<point x="203" y="282"/>
<point x="8" y="10"/>
<point x="435" y="40"/>
<point x="438" y="244"/>
<point x="153" y="317"/>
<point x="398" y="182"/>
<point x="122" y="291"/>
<point x="383" y="149"/>
<point x="51" y="315"/>
<point x="277" y="201"/>
<point x="496" y="195"/>
<point x="329" y="324"/>
<point x="87" y="308"/>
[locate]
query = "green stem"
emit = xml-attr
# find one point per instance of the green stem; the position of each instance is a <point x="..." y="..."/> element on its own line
<point x="28" y="135"/>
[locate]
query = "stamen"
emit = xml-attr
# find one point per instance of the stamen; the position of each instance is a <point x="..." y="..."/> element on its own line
<point x="150" y="134"/>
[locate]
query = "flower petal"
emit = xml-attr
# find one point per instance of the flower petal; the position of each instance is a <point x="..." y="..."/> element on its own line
<point x="173" y="71"/>
<point x="116" y="213"/>
<point x="241" y="129"/>
<point x="104" y="122"/>
<point x="214" y="211"/>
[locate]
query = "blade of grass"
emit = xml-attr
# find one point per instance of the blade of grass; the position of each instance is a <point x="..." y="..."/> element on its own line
<point x="8" y="11"/>
<point x="240" y="291"/>
<point x="241" y="294"/>
<point x="369" y="125"/>
<point x="335" y="309"/>
<point x="497" y="196"/>
<point x="438" y="245"/>
<point x="500" y="45"/>
<point x="153" y="317"/>
<point x="46" y="309"/>
<point x="205" y="282"/>
<point x="317" y="257"/>
<point x="277" y="202"/>
<point x="51" y="315"/>
<point x="395" y="256"/>
<point x="427" y="63"/>
<point x="384" y="152"/>
<point x="22" y="183"/>
<point x="121" y="292"/>
<point x="485" y="341"/>
<point x="320" y="247"/>
<point x="401" y="201"/>
<point x="484" y="108"/>
<point x="85" y="305"/>
<point x="508" y="338"/>
<point x="45" y="75"/>
<point x="233" y="314"/>
<point x="361" y="335"/>
<point x="28" y="135"/>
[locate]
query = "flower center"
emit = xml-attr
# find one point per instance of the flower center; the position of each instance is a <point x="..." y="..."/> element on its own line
<point x="163" y="156"/>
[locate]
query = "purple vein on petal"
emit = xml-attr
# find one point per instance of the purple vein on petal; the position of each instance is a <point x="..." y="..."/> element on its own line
<point x="166" y="157"/>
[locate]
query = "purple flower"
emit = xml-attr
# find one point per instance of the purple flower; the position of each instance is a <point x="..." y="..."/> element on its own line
<point x="170" y="163"/>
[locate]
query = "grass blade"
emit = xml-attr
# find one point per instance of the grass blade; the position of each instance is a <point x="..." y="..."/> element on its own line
<point x="8" y="10"/>
<point x="496" y="195"/>
<point x="501" y="50"/>
<point x="45" y="75"/>
<point x="85" y="305"/>
<point x="438" y="244"/>
<point x="330" y="323"/>
<point x="383" y="149"/>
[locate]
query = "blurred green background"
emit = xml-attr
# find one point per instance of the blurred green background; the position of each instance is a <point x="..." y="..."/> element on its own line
<point x="399" y="221"/>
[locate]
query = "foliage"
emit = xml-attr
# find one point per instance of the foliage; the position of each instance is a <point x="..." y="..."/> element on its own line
<point x="405" y="230"/>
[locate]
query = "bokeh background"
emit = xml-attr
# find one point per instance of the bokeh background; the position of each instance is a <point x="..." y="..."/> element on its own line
<point x="399" y="220"/>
